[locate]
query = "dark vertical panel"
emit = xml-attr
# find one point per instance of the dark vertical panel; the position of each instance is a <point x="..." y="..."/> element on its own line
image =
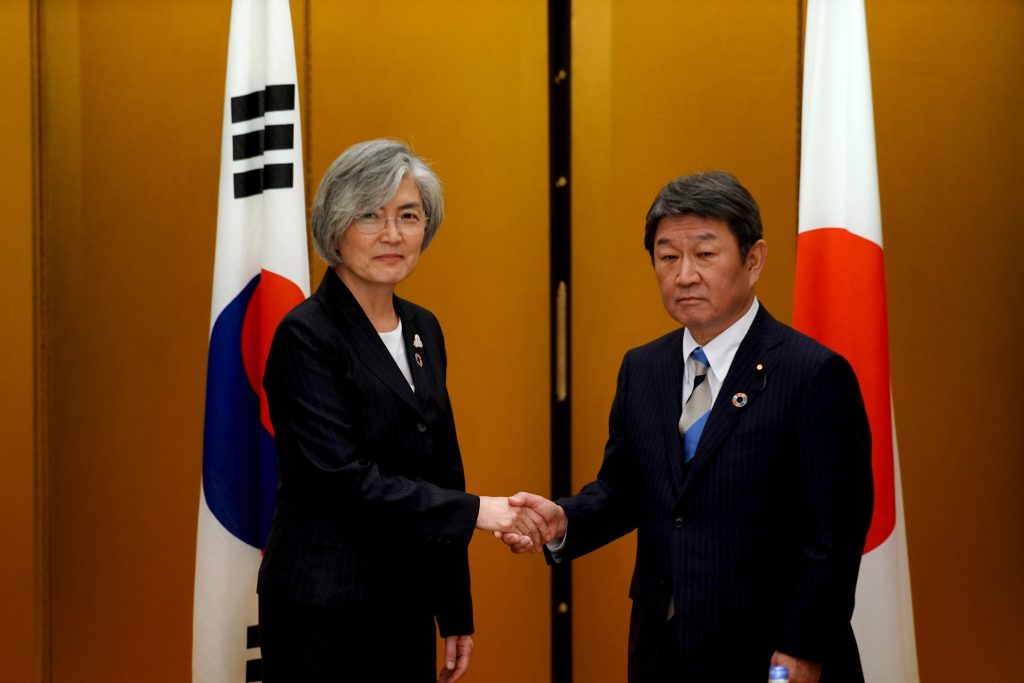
<point x="559" y="132"/>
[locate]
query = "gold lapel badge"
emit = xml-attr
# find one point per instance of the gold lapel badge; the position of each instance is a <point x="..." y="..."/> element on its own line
<point x="419" y="359"/>
<point x="739" y="400"/>
<point x="417" y="343"/>
<point x="764" y="376"/>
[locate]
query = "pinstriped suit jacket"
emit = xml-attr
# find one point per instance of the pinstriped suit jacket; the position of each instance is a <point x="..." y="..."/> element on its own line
<point x="759" y="537"/>
<point x="371" y="513"/>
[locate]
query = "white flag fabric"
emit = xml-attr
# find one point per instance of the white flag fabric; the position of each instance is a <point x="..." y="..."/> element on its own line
<point x="841" y="301"/>
<point x="261" y="270"/>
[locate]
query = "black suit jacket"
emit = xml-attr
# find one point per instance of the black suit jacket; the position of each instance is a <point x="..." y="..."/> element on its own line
<point x="759" y="537"/>
<point x="371" y="514"/>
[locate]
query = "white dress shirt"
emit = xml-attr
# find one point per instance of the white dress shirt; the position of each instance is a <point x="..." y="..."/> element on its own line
<point x="396" y="347"/>
<point x="720" y="351"/>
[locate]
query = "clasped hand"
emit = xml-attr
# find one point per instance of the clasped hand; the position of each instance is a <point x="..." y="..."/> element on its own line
<point x="525" y="521"/>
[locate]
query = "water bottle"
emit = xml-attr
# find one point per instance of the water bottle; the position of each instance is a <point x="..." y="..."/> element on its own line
<point x="778" y="674"/>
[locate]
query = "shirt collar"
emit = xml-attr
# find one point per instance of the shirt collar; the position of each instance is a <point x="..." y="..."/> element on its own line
<point x="722" y="349"/>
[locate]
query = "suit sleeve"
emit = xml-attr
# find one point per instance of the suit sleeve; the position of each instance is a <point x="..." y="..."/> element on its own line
<point x="312" y="411"/>
<point x="605" y="509"/>
<point x="453" y="608"/>
<point x="836" y="493"/>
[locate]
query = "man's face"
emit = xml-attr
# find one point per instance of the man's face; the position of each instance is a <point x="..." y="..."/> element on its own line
<point x="704" y="284"/>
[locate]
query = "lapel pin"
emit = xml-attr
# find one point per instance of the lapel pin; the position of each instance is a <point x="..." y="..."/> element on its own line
<point x="764" y="375"/>
<point x="739" y="400"/>
<point x="417" y="343"/>
<point x="419" y="361"/>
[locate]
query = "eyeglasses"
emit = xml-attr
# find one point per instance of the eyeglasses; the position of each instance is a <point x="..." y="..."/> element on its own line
<point x="408" y="222"/>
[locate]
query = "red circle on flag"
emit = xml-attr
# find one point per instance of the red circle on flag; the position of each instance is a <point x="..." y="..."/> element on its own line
<point x="274" y="296"/>
<point x="840" y="301"/>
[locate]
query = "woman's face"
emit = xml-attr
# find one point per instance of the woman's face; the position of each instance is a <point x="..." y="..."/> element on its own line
<point x="387" y="257"/>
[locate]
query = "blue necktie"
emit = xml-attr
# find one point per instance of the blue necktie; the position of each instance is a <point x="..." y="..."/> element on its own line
<point x="698" y="405"/>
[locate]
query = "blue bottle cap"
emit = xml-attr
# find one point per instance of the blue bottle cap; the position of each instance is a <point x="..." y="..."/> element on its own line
<point x="778" y="673"/>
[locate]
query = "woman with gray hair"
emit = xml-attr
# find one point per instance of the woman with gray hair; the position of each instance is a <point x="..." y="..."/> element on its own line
<point x="368" y="544"/>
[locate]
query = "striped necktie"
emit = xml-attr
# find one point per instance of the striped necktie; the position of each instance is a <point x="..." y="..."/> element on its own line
<point x="698" y="405"/>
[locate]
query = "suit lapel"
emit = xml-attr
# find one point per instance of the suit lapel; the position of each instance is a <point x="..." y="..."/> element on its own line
<point x="744" y="377"/>
<point x="357" y="330"/>
<point x="670" y="395"/>
<point x="415" y="337"/>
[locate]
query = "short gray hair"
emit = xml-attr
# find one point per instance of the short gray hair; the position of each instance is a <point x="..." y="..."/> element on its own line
<point x="708" y="194"/>
<point x="366" y="176"/>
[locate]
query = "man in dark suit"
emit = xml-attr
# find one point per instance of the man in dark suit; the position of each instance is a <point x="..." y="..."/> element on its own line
<point x="739" y="449"/>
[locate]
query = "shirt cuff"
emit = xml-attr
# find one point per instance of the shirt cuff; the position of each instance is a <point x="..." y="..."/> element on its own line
<point x="555" y="546"/>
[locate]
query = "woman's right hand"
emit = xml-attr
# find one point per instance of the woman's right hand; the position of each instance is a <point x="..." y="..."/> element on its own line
<point x="501" y="517"/>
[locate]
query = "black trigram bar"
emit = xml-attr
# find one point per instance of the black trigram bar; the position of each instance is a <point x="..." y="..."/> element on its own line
<point x="253" y="144"/>
<point x="270" y="177"/>
<point x="255" y="104"/>
<point x="252" y="637"/>
<point x="253" y="667"/>
<point x="253" y="670"/>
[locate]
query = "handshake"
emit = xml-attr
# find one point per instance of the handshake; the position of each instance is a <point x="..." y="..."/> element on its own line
<point x="524" y="522"/>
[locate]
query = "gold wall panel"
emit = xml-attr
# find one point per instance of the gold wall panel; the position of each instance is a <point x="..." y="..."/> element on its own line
<point x="465" y="84"/>
<point x="949" y="92"/>
<point x="661" y="89"/>
<point x="131" y="102"/>
<point x="18" y="513"/>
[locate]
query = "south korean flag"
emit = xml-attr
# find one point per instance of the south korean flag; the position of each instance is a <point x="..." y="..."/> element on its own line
<point x="261" y="270"/>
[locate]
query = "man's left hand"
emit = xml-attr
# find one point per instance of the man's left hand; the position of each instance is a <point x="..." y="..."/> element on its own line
<point x="800" y="670"/>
